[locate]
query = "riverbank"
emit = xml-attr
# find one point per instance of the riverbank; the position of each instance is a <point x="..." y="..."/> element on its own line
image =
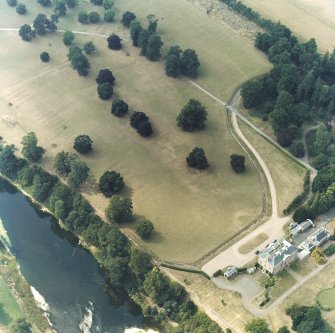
<point x="17" y="299"/>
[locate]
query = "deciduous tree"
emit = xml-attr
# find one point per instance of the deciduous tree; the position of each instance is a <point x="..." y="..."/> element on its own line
<point x="114" y="42"/>
<point x="83" y="144"/>
<point x="105" y="90"/>
<point x="109" y="15"/>
<point x="44" y="56"/>
<point x="192" y="116"/>
<point x="26" y="33"/>
<point x="21" y="9"/>
<point x="120" y="209"/>
<point x="110" y="182"/>
<point x="89" y="47"/>
<point x="127" y="17"/>
<point x="105" y="76"/>
<point x="30" y="150"/>
<point x="119" y="107"/>
<point x="93" y="17"/>
<point x="144" y="228"/>
<point x="190" y="63"/>
<point x="237" y="163"/>
<point x="135" y="32"/>
<point x="197" y="159"/>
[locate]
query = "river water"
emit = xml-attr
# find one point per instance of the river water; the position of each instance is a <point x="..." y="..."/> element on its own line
<point x="65" y="277"/>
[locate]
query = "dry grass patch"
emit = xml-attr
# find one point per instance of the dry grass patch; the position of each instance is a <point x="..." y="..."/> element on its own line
<point x="287" y="174"/>
<point x="306" y="18"/>
<point x="253" y="243"/>
<point x="192" y="212"/>
<point x="227" y="305"/>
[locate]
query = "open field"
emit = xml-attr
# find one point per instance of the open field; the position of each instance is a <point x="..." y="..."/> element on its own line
<point x="327" y="298"/>
<point x="287" y="174"/>
<point x="306" y="18"/>
<point x="54" y="102"/>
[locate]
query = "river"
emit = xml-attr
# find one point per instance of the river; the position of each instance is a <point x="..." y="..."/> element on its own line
<point x="66" y="277"/>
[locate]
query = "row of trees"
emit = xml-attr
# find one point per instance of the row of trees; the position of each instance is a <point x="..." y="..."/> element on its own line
<point x="299" y="88"/>
<point x="126" y="266"/>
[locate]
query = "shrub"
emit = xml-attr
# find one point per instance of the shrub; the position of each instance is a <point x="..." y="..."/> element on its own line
<point x="105" y="90"/>
<point x="197" y="159"/>
<point x="144" y="228"/>
<point x="127" y="18"/>
<point x="119" y="107"/>
<point x="44" y="56"/>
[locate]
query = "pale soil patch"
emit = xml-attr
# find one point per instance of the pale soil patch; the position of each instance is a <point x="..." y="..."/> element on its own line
<point x="306" y="295"/>
<point x="192" y="212"/>
<point x="287" y="175"/>
<point x="253" y="243"/>
<point x="225" y="304"/>
<point x="306" y="18"/>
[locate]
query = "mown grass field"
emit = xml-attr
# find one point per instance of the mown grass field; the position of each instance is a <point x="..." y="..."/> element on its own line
<point x="306" y="18"/>
<point x="192" y="212"/>
<point x="287" y="174"/>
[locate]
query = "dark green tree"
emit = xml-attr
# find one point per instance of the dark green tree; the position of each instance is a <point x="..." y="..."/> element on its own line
<point x="297" y="148"/>
<point x="192" y="116"/>
<point x="44" y="56"/>
<point x="83" y="144"/>
<point x="144" y="129"/>
<point x="12" y="3"/>
<point x="156" y="285"/>
<point x="197" y="159"/>
<point x="26" y="33"/>
<point x="120" y="209"/>
<point x="140" y="263"/>
<point x="71" y="3"/>
<point x="30" y="150"/>
<point x="281" y="115"/>
<point x="68" y="38"/>
<point x="109" y="15"/>
<point x="173" y="61"/>
<point x="135" y="32"/>
<point x="153" y="50"/>
<point x="110" y="182"/>
<point x="117" y="270"/>
<point x="78" y="60"/>
<point x="60" y="8"/>
<point x="143" y="40"/>
<point x="114" y="42"/>
<point x="301" y="214"/>
<point x="40" y="23"/>
<point x="140" y="121"/>
<point x="127" y="17"/>
<point x="20" y="325"/>
<point x="97" y="2"/>
<point x="83" y="17"/>
<point x="237" y="163"/>
<point x="21" y="9"/>
<point x="152" y="22"/>
<point x="89" y="47"/>
<point x="251" y="93"/>
<point x="119" y="108"/>
<point x="62" y="163"/>
<point x="108" y="4"/>
<point x="258" y="325"/>
<point x="144" y="228"/>
<point x="105" y="76"/>
<point x="105" y="90"/>
<point x="44" y="3"/>
<point x="93" y="17"/>
<point x="190" y="63"/>
<point x="78" y="174"/>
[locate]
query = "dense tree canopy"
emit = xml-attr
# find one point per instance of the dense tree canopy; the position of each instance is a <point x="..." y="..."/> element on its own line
<point x="192" y="116"/>
<point x="26" y="33"/>
<point x="93" y="17"/>
<point x="237" y="163"/>
<point x="127" y="18"/>
<point x="78" y="60"/>
<point x="89" y="47"/>
<point x="83" y="144"/>
<point x="108" y="4"/>
<point x="297" y="148"/>
<point x="105" y="76"/>
<point x="114" y="42"/>
<point x="83" y="17"/>
<point x="21" y="9"/>
<point x="173" y="61"/>
<point x="110" y="182"/>
<point x="44" y="3"/>
<point x="144" y="228"/>
<point x="154" y="47"/>
<point x="30" y="150"/>
<point x="119" y="107"/>
<point x="60" y="8"/>
<point x="139" y="263"/>
<point x="120" y="209"/>
<point x="68" y="38"/>
<point x="140" y="121"/>
<point x="109" y="15"/>
<point x="105" y="90"/>
<point x="190" y="63"/>
<point x="135" y="32"/>
<point x="45" y="57"/>
<point x="258" y="325"/>
<point x="197" y="159"/>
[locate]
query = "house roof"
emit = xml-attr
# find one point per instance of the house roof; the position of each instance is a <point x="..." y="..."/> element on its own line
<point x="277" y="252"/>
